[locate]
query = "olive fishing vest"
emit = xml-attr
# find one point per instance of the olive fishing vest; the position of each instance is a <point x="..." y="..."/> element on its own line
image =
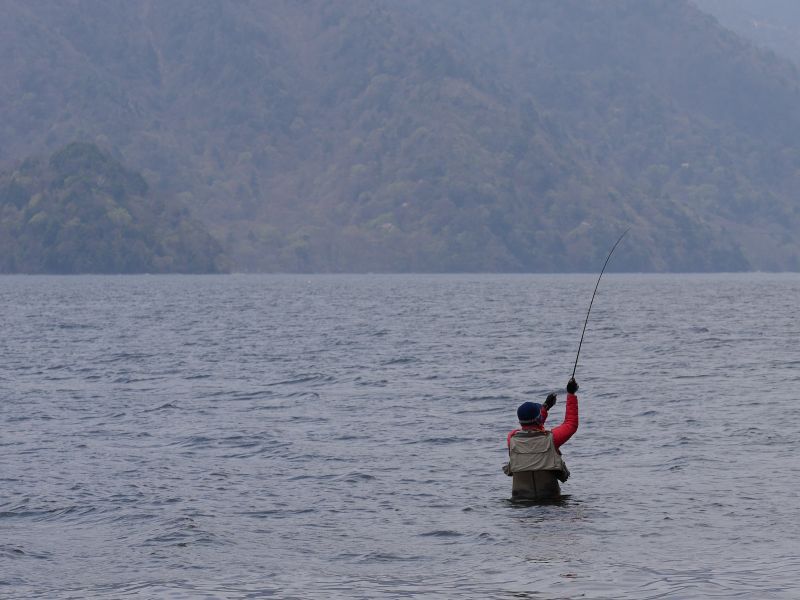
<point x="535" y="465"/>
<point x="532" y="450"/>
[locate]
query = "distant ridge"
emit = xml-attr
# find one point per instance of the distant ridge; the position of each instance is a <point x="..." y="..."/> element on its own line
<point x="374" y="135"/>
<point x="773" y="24"/>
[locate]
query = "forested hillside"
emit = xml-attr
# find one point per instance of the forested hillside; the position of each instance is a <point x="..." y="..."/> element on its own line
<point x="376" y="135"/>
<point x="81" y="211"/>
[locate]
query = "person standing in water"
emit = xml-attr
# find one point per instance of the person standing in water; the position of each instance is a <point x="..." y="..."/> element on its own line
<point x="535" y="461"/>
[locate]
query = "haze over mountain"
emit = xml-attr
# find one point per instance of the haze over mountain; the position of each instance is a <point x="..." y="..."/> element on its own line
<point x="773" y="24"/>
<point x="426" y="136"/>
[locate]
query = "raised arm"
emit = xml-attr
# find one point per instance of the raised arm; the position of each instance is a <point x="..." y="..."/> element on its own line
<point x="567" y="429"/>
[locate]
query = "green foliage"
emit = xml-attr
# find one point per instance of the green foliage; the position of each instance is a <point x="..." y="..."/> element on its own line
<point x="395" y="136"/>
<point x="83" y="212"/>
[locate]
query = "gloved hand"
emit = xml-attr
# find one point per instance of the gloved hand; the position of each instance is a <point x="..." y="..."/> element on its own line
<point x="572" y="386"/>
<point x="551" y="401"/>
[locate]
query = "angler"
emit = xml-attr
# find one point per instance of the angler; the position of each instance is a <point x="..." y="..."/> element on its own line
<point x="535" y="461"/>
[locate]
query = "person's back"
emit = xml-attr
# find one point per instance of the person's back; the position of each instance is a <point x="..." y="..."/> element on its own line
<point x="535" y="462"/>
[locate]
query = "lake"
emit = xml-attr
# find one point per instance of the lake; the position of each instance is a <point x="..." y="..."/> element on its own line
<point x="342" y="436"/>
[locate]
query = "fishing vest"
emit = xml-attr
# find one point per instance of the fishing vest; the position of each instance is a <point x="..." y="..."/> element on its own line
<point x="535" y="465"/>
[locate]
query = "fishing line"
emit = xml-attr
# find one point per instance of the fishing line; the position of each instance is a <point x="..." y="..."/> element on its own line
<point x="614" y="247"/>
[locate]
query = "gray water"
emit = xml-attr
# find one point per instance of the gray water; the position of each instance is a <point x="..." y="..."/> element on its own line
<point x="342" y="437"/>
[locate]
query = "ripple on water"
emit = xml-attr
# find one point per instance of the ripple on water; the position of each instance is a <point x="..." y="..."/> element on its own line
<point x="318" y="437"/>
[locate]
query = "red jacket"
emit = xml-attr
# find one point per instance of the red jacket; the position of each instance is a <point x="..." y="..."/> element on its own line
<point x="564" y="431"/>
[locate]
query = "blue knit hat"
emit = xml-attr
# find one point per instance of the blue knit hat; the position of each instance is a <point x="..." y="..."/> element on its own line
<point x="529" y="413"/>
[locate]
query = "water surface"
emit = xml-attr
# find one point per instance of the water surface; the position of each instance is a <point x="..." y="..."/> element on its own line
<point x="342" y="436"/>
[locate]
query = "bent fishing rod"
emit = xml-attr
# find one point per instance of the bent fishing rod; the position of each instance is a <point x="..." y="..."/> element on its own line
<point x="614" y="247"/>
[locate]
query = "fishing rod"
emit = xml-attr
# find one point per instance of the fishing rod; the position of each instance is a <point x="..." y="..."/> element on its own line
<point x="614" y="247"/>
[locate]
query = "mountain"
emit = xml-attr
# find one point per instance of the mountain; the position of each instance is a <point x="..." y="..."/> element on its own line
<point x="773" y="24"/>
<point x="81" y="211"/>
<point x="320" y="135"/>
